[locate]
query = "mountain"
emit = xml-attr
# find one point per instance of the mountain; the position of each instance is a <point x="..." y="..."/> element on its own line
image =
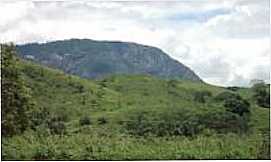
<point x="96" y="59"/>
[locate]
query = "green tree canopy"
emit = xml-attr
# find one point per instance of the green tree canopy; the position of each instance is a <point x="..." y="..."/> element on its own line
<point x="262" y="94"/>
<point x="16" y="100"/>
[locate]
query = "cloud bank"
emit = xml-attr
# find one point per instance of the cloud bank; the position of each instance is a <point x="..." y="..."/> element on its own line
<point x="226" y="42"/>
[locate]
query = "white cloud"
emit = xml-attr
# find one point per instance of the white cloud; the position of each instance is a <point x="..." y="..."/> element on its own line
<point x="225" y="42"/>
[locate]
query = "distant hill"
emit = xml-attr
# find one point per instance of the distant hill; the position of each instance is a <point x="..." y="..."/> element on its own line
<point x="97" y="59"/>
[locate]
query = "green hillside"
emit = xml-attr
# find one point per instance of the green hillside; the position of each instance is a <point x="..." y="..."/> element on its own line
<point x="134" y="118"/>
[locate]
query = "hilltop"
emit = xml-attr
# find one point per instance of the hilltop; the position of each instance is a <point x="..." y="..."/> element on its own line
<point x="97" y="59"/>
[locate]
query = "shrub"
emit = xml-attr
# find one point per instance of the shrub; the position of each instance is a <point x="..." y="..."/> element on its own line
<point x="262" y="94"/>
<point x="61" y="116"/>
<point x="189" y="127"/>
<point x="186" y="122"/>
<point x="78" y="87"/>
<point x="103" y="82"/>
<point x="225" y="121"/>
<point x="233" y="88"/>
<point x="43" y="153"/>
<point x="226" y="96"/>
<point x="16" y="101"/>
<point x="138" y="125"/>
<point x="200" y="96"/>
<point x="172" y="83"/>
<point x="146" y="93"/>
<point x="264" y="150"/>
<point x="56" y="124"/>
<point x="102" y="120"/>
<point x="233" y="103"/>
<point x="40" y="117"/>
<point x="57" y="127"/>
<point x="166" y="124"/>
<point x="85" y="121"/>
<point x="238" y="106"/>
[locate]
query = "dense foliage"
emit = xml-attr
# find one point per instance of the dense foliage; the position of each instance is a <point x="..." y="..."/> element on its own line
<point x="186" y="122"/>
<point x="85" y="121"/>
<point x="262" y="94"/>
<point x="200" y="96"/>
<point x="238" y="106"/>
<point x="17" y="107"/>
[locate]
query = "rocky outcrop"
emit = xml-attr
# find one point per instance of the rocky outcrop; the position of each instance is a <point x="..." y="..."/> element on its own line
<point x="96" y="59"/>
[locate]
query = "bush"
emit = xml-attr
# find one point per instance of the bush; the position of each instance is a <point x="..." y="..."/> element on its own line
<point x="43" y="153"/>
<point x="102" y="120"/>
<point x="264" y="150"/>
<point x="168" y="123"/>
<point x="40" y="117"/>
<point x="233" y="88"/>
<point x="189" y="127"/>
<point x="85" y="121"/>
<point x="103" y="82"/>
<point x="16" y="101"/>
<point x="262" y="94"/>
<point x="225" y="121"/>
<point x="186" y="122"/>
<point x="172" y="83"/>
<point x="226" y="96"/>
<point x="238" y="106"/>
<point x="233" y="103"/>
<point x="56" y="124"/>
<point x="200" y="96"/>
<point x="138" y="125"/>
<point x="57" y="127"/>
<point x="61" y="116"/>
<point x="78" y="87"/>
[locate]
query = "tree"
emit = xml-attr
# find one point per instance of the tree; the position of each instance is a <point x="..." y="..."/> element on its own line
<point x="233" y="88"/>
<point x="238" y="106"/>
<point x="200" y="96"/>
<point x="17" y="104"/>
<point x="223" y="96"/>
<point x="262" y="94"/>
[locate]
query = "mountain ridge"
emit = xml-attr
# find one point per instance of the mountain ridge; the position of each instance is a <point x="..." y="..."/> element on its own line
<point x="97" y="59"/>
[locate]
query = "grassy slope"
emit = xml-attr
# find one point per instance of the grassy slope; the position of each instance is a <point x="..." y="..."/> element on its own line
<point x="115" y="98"/>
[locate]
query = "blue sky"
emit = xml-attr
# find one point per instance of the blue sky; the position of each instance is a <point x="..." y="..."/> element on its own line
<point x="226" y="42"/>
<point x="198" y="16"/>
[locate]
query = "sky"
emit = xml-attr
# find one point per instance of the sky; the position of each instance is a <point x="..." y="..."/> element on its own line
<point x="225" y="42"/>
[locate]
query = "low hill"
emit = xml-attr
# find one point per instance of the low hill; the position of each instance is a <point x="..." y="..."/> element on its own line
<point x="135" y="117"/>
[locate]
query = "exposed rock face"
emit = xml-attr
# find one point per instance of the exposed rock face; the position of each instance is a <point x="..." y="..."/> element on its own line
<point x="96" y="59"/>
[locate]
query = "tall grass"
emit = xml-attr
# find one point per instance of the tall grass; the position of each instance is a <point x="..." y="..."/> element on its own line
<point x="94" y="146"/>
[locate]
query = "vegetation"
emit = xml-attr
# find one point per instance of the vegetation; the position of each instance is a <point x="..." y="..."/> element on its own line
<point x="102" y="120"/>
<point x="262" y="94"/>
<point x="135" y="118"/>
<point x="200" y="96"/>
<point x="238" y="106"/>
<point x="17" y="105"/>
<point x="85" y="121"/>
